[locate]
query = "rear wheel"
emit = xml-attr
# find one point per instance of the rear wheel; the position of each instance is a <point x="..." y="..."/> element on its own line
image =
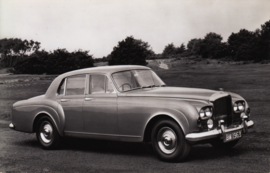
<point x="169" y="142"/>
<point x="47" y="134"/>
<point x="219" y="144"/>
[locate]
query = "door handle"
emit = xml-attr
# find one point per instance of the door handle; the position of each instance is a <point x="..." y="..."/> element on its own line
<point x="88" y="99"/>
<point x="64" y="100"/>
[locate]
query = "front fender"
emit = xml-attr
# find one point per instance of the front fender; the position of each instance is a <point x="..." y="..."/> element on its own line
<point x="184" y="112"/>
<point x="135" y="113"/>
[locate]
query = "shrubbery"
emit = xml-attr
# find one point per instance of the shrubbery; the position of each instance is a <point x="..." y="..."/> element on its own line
<point x="242" y="46"/>
<point x="57" y="62"/>
<point x="245" y="45"/>
<point x="170" y="50"/>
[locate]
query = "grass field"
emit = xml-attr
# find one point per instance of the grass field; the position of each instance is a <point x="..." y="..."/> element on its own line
<point x="251" y="81"/>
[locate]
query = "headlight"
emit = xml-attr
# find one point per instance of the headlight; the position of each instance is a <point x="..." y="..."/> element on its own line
<point x="206" y="113"/>
<point x="239" y="106"/>
<point x="202" y="114"/>
<point x="235" y="107"/>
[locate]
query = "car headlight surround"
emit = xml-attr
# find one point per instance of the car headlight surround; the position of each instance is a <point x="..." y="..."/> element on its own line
<point x="206" y="112"/>
<point x="239" y="106"/>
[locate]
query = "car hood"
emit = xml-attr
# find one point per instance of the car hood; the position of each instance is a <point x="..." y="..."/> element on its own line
<point x="182" y="92"/>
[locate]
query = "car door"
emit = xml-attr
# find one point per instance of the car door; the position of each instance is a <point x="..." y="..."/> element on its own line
<point x="72" y="102"/>
<point x="100" y="107"/>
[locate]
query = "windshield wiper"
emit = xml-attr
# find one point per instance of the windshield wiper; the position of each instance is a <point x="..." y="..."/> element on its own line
<point x="151" y="86"/>
<point x="148" y="86"/>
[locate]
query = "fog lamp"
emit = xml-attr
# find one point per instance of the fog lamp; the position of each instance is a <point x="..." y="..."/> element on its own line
<point x="210" y="123"/>
<point x="243" y="115"/>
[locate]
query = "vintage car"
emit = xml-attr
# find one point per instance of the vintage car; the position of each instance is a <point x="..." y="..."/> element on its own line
<point x="131" y="103"/>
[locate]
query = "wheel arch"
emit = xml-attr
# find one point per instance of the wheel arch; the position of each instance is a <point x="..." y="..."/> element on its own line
<point x="153" y="121"/>
<point x="44" y="114"/>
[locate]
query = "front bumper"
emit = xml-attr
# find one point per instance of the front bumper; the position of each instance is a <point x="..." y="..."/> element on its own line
<point x="193" y="137"/>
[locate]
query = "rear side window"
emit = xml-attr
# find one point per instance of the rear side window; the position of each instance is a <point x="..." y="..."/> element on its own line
<point x="75" y="85"/>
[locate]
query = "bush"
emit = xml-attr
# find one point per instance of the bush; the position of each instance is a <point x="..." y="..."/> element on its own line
<point x="60" y="61"/>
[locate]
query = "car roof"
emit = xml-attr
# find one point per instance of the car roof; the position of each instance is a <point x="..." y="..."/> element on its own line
<point x="106" y="69"/>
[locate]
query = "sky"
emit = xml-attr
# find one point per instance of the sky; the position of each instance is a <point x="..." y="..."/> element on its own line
<point x="98" y="25"/>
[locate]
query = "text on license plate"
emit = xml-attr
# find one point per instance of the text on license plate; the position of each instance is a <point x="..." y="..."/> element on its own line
<point x="232" y="136"/>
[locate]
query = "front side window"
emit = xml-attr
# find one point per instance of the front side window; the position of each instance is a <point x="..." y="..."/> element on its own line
<point x="133" y="79"/>
<point x="75" y="85"/>
<point x="99" y="84"/>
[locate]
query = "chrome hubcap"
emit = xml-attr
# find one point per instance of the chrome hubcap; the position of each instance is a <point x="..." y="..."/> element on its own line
<point x="167" y="140"/>
<point x="46" y="133"/>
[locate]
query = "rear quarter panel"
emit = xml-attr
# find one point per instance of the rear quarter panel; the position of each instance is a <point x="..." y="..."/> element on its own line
<point x="24" y="113"/>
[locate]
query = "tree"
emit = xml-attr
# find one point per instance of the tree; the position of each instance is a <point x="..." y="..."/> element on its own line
<point x="14" y="48"/>
<point x="243" y="45"/>
<point x="18" y="47"/>
<point x="181" y="49"/>
<point x="57" y="62"/>
<point x="170" y="49"/>
<point x="194" y="46"/>
<point x="211" y="45"/>
<point x="264" y="42"/>
<point x="130" y="51"/>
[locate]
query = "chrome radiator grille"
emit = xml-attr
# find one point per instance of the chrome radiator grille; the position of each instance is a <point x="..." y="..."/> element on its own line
<point x="223" y="110"/>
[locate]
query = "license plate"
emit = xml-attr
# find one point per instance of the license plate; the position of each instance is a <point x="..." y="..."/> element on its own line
<point x="232" y="136"/>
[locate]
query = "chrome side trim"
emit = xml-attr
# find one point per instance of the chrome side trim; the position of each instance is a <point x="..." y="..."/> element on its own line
<point x="11" y="126"/>
<point x="101" y="134"/>
<point x="214" y="133"/>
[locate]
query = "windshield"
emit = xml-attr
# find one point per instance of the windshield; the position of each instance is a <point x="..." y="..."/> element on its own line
<point x="135" y="79"/>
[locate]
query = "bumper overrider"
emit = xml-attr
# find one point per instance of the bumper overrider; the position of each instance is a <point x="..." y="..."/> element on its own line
<point x="193" y="137"/>
<point x="11" y="125"/>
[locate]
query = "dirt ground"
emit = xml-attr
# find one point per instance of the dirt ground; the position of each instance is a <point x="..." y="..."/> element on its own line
<point x="20" y="152"/>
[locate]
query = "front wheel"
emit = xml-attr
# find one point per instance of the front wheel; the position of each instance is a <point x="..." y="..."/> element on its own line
<point x="169" y="142"/>
<point x="47" y="134"/>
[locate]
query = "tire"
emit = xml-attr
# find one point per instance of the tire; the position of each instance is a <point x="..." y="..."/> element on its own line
<point x="168" y="141"/>
<point x="219" y="144"/>
<point x="47" y="133"/>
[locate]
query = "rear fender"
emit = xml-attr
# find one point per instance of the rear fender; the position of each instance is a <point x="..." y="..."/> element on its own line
<point x="25" y="117"/>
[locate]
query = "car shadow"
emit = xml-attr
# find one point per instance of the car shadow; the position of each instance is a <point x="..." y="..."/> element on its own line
<point x="33" y="143"/>
<point x="113" y="147"/>
<point x="197" y="152"/>
<point x="207" y="152"/>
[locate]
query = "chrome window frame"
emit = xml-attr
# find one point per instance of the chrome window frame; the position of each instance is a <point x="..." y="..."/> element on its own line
<point x="65" y="85"/>
<point x="108" y="77"/>
<point x="131" y="72"/>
